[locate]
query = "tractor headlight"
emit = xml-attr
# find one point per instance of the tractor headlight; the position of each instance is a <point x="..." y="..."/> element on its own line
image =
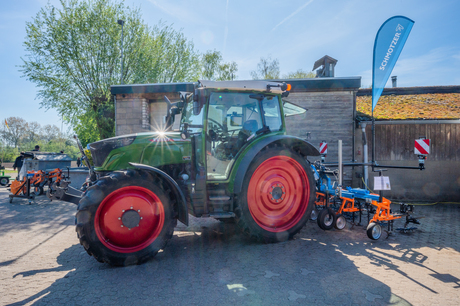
<point x="101" y="149"/>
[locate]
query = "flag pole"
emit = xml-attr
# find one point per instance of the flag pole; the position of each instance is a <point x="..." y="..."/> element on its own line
<point x="373" y="139"/>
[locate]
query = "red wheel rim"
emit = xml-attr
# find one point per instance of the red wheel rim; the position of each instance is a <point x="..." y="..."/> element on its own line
<point x="278" y="193"/>
<point x="109" y="225"/>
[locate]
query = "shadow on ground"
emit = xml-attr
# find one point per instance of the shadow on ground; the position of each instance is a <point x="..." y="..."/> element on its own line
<point x="210" y="263"/>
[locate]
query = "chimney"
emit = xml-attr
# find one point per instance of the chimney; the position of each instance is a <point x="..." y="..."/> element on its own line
<point x="393" y="80"/>
<point x="326" y="66"/>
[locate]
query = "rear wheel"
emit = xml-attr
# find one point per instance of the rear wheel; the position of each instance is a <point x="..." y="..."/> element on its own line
<point x="278" y="197"/>
<point x="126" y="218"/>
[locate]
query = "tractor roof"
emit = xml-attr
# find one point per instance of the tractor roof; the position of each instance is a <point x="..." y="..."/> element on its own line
<point x="255" y="85"/>
<point x="251" y="85"/>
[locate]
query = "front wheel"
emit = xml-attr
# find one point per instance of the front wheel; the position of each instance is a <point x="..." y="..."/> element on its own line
<point x="126" y="218"/>
<point x="278" y="196"/>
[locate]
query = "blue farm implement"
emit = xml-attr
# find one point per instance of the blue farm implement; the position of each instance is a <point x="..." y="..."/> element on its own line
<point x="334" y="205"/>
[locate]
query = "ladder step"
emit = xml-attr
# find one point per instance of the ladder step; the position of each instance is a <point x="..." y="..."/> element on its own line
<point x="219" y="198"/>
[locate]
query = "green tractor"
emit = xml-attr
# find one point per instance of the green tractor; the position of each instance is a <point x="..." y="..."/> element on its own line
<point x="230" y="159"/>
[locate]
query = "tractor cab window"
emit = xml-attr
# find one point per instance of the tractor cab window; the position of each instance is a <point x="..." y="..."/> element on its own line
<point x="233" y="119"/>
<point x="272" y="114"/>
<point x="195" y="122"/>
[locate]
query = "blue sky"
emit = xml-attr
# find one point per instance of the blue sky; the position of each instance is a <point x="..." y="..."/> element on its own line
<point x="296" y="32"/>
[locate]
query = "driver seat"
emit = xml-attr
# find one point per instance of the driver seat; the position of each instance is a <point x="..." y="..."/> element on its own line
<point x="249" y="128"/>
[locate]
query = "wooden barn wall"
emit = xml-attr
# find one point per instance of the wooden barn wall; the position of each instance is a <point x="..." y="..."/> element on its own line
<point x="396" y="141"/>
<point x="329" y="118"/>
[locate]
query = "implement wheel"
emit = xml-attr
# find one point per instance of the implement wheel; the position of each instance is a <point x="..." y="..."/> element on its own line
<point x="38" y="190"/>
<point x="340" y="222"/>
<point x="278" y="197"/>
<point x="126" y="218"/>
<point x="4" y="181"/>
<point x="314" y="214"/>
<point x="374" y="231"/>
<point x="326" y="219"/>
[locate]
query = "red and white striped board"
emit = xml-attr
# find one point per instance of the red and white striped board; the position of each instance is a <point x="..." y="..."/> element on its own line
<point x="323" y="147"/>
<point x="422" y="146"/>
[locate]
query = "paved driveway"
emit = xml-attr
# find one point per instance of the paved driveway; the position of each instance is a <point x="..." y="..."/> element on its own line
<point x="210" y="263"/>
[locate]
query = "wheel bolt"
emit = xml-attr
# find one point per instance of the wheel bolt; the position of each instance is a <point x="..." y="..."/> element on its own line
<point x="138" y="210"/>
<point x="131" y="207"/>
<point x="272" y="199"/>
<point x="122" y="225"/>
<point x="129" y="228"/>
<point x="123" y="210"/>
<point x="141" y="218"/>
<point x="119" y="218"/>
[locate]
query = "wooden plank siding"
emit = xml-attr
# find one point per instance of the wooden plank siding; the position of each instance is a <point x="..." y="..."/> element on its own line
<point x="329" y="118"/>
<point x="396" y="141"/>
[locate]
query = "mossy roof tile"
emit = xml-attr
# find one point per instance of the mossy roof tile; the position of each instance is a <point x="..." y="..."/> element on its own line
<point x="411" y="107"/>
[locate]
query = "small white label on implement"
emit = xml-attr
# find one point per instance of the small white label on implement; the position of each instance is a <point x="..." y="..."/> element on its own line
<point x="382" y="183"/>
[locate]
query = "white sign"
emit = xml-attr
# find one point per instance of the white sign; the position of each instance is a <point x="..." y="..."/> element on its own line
<point x="382" y="183"/>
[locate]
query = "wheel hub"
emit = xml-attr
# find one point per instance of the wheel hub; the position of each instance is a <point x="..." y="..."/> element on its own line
<point x="130" y="218"/>
<point x="277" y="193"/>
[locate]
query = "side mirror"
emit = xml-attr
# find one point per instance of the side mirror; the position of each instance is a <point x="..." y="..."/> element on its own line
<point x="199" y="99"/>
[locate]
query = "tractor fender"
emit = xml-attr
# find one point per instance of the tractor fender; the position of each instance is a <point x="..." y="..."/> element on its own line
<point x="296" y="143"/>
<point x="179" y="195"/>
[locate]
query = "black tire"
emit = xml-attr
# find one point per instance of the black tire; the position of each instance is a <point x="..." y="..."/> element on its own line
<point x="340" y="222"/>
<point x="38" y="190"/>
<point x="292" y="185"/>
<point x="374" y="231"/>
<point x="326" y="219"/>
<point x="99" y="220"/>
<point x="4" y="181"/>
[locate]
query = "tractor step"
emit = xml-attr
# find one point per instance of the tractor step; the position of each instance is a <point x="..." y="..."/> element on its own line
<point x="222" y="215"/>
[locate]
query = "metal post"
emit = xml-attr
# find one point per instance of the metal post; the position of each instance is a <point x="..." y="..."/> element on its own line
<point x="366" y="155"/>
<point x="373" y="140"/>
<point x="340" y="168"/>
<point x="121" y="22"/>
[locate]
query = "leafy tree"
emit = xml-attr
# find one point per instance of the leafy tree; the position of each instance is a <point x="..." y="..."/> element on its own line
<point x="299" y="74"/>
<point x="73" y="56"/>
<point x="49" y="138"/>
<point x="213" y="67"/>
<point x="267" y="69"/>
<point x="15" y="131"/>
<point x="33" y="132"/>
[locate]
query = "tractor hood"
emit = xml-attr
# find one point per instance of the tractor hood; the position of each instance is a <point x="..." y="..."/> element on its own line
<point x="154" y="149"/>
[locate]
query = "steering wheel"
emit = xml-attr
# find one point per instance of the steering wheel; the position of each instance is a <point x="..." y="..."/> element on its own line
<point x="219" y="132"/>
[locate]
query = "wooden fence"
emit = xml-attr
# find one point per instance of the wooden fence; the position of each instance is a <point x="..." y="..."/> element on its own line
<point x="396" y="141"/>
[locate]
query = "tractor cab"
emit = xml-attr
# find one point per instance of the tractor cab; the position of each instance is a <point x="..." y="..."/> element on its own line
<point x="230" y="116"/>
